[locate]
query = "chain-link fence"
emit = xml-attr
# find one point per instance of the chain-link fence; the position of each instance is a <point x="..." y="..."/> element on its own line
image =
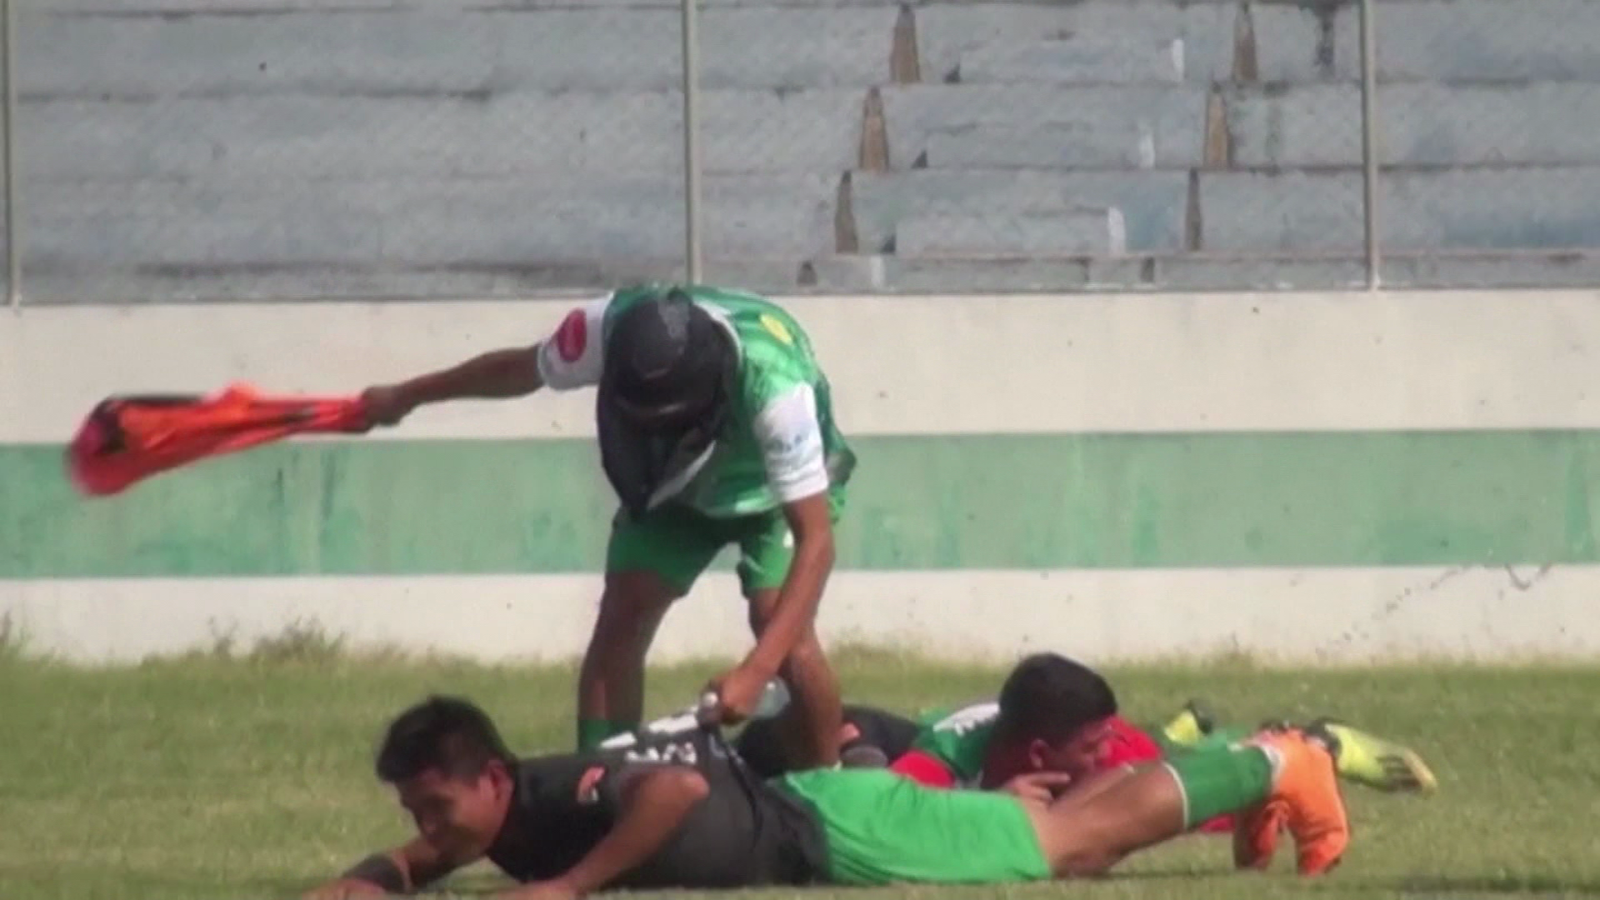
<point x="183" y="150"/>
<point x="186" y="149"/>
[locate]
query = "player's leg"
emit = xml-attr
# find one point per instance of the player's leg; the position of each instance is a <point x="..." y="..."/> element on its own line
<point x="650" y="562"/>
<point x="1364" y="758"/>
<point x="611" y="678"/>
<point x="882" y="829"/>
<point x="811" y="723"/>
<point x="1281" y="779"/>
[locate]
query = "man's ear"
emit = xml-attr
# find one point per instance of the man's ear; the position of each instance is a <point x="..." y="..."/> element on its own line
<point x="499" y="775"/>
<point x="1038" y="752"/>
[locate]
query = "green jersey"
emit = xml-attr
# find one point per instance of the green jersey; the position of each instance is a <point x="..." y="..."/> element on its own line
<point x="960" y="739"/>
<point x="779" y="442"/>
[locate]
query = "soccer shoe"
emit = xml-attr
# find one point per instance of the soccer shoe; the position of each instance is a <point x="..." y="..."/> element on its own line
<point x="1305" y="801"/>
<point x="1190" y="725"/>
<point x="1377" y="763"/>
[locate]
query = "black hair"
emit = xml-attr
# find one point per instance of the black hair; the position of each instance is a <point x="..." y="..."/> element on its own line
<point x="667" y="363"/>
<point x="449" y="734"/>
<point x="1050" y="697"/>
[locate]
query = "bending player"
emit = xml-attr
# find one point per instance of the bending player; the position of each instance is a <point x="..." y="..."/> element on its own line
<point x="681" y="811"/>
<point x="715" y="427"/>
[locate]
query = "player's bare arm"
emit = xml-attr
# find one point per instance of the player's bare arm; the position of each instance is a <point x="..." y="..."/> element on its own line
<point x="498" y="374"/>
<point x="795" y="612"/>
<point x="789" y="430"/>
<point x="655" y="801"/>
<point x="403" y="870"/>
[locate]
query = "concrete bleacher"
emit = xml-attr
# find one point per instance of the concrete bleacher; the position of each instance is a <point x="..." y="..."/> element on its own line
<point x="169" y="148"/>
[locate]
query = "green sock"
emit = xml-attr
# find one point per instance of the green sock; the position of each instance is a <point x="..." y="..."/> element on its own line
<point x="1221" y="781"/>
<point x="593" y="732"/>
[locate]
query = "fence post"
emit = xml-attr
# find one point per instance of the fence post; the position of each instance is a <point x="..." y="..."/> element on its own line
<point x="7" y="118"/>
<point x="691" y="142"/>
<point x="1369" y="148"/>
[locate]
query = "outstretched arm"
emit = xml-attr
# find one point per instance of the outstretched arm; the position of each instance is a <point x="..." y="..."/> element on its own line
<point x="569" y="358"/>
<point x="402" y="870"/>
<point x="654" y="802"/>
<point x="512" y="372"/>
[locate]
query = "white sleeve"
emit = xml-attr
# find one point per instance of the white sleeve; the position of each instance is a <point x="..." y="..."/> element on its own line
<point x="570" y="357"/>
<point x="791" y="445"/>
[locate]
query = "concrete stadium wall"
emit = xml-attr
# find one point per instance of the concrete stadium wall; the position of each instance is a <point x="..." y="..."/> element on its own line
<point x="1325" y="478"/>
<point x="312" y="148"/>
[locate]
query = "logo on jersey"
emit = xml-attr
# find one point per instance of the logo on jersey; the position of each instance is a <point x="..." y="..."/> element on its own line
<point x="681" y="752"/>
<point x="970" y="718"/>
<point x="776" y="328"/>
<point x="572" y="336"/>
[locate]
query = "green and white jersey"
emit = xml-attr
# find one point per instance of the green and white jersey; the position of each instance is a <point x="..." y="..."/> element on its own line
<point x="779" y="442"/>
<point x="960" y="739"/>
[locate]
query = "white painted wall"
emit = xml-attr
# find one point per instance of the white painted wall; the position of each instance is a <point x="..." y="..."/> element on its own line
<point x="1301" y="616"/>
<point x="1204" y="362"/>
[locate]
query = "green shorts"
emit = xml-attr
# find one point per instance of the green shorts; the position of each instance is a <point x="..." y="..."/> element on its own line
<point x="882" y="828"/>
<point x="678" y="544"/>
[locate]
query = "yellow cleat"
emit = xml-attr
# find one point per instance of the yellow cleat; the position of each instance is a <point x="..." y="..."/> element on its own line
<point x="1378" y="763"/>
<point x="1189" y="726"/>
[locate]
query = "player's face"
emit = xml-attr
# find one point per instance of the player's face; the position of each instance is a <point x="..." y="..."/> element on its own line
<point x="459" y="817"/>
<point x="1078" y="755"/>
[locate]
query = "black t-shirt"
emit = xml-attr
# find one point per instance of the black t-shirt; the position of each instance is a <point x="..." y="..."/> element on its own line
<point x="744" y="834"/>
<point x="761" y="742"/>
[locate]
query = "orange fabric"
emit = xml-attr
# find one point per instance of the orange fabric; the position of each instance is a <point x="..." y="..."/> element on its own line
<point x="127" y="439"/>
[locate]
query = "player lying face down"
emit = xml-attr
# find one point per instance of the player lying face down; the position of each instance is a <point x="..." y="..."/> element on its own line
<point x="684" y="811"/>
<point x="1055" y="715"/>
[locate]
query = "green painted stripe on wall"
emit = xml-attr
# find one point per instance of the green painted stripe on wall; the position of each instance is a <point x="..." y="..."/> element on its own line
<point x="975" y="501"/>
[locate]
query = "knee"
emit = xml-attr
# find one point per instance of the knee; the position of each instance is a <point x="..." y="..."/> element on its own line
<point x="630" y="606"/>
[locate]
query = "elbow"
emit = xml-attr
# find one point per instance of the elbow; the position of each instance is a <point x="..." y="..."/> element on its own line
<point x="827" y="553"/>
<point x="676" y="786"/>
<point x="690" y="788"/>
<point x="817" y="545"/>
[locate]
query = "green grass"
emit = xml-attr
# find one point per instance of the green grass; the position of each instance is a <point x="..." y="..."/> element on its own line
<point x="247" y="774"/>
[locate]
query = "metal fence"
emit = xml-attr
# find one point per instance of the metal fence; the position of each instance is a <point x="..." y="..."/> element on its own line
<point x="208" y="150"/>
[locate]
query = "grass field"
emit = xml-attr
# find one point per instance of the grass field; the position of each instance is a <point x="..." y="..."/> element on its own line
<point x="248" y="775"/>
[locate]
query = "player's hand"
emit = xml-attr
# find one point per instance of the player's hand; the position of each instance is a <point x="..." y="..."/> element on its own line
<point x="386" y="405"/>
<point x="738" y="693"/>
<point x="344" y="889"/>
<point x="1038" y="787"/>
